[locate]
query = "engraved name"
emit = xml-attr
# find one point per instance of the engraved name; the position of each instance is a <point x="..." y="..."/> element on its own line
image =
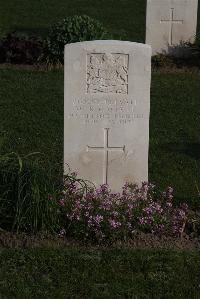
<point x="114" y="111"/>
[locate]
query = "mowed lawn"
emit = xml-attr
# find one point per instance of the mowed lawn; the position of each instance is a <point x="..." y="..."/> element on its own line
<point x="125" y="19"/>
<point x="31" y="120"/>
<point x="99" y="273"/>
<point x="31" y="115"/>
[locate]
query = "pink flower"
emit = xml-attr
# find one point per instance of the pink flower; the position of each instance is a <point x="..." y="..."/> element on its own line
<point x="169" y="204"/>
<point x="114" y="224"/>
<point x="62" y="202"/>
<point x="100" y="213"/>
<point x="62" y="232"/>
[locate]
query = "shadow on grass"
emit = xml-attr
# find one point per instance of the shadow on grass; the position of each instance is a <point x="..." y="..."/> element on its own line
<point x="190" y="149"/>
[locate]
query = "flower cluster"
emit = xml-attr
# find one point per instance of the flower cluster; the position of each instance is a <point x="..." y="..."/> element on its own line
<point x="100" y="214"/>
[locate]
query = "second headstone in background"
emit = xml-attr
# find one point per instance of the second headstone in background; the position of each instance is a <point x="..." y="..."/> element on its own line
<point x="169" y="23"/>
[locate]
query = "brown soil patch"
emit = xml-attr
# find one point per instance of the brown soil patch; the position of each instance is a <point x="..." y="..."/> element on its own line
<point x="140" y="241"/>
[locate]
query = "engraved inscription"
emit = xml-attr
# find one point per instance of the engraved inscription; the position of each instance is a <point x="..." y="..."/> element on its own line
<point x="107" y="73"/>
<point x="115" y="111"/>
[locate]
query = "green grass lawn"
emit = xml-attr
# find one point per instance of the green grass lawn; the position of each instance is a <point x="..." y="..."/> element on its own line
<point x="99" y="273"/>
<point x="32" y="114"/>
<point x="174" y="133"/>
<point x="124" y="18"/>
<point x="31" y="118"/>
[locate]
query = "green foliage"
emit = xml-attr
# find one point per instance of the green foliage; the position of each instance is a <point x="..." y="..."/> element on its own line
<point x="70" y="30"/>
<point x="124" y="19"/>
<point x="27" y="194"/>
<point x="194" y="223"/>
<point x="20" y="49"/>
<point x="99" y="273"/>
<point x="2" y="33"/>
<point x="196" y="48"/>
<point x="162" y="61"/>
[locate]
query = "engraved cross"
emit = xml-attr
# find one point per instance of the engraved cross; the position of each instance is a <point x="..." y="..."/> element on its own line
<point x="171" y="22"/>
<point x="106" y="149"/>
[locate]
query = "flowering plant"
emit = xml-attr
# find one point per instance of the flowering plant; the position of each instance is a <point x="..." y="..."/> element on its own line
<point x="99" y="214"/>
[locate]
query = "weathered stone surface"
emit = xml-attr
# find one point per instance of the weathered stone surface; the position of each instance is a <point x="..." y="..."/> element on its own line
<point x="170" y="22"/>
<point x="106" y="114"/>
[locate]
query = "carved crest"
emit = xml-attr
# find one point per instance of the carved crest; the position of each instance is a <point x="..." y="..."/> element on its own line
<point x="107" y="73"/>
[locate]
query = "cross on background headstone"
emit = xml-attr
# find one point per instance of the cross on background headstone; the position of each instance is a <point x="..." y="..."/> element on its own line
<point x="171" y="22"/>
<point x="106" y="149"/>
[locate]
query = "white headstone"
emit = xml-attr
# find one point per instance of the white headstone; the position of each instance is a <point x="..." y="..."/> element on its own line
<point x="106" y="113"/>
<point x="170" y="22"/>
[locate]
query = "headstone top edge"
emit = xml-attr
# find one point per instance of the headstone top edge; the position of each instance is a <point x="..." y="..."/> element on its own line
<point x="108" y="43"/>
<point x="173" y="0"/>
<point x="157" y="2"/>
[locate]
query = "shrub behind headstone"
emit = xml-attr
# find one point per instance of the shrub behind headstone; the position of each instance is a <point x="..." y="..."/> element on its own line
<point x="196" y="49"/>
<point x="70" y="30"/>
<point x="20" y="49"/>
